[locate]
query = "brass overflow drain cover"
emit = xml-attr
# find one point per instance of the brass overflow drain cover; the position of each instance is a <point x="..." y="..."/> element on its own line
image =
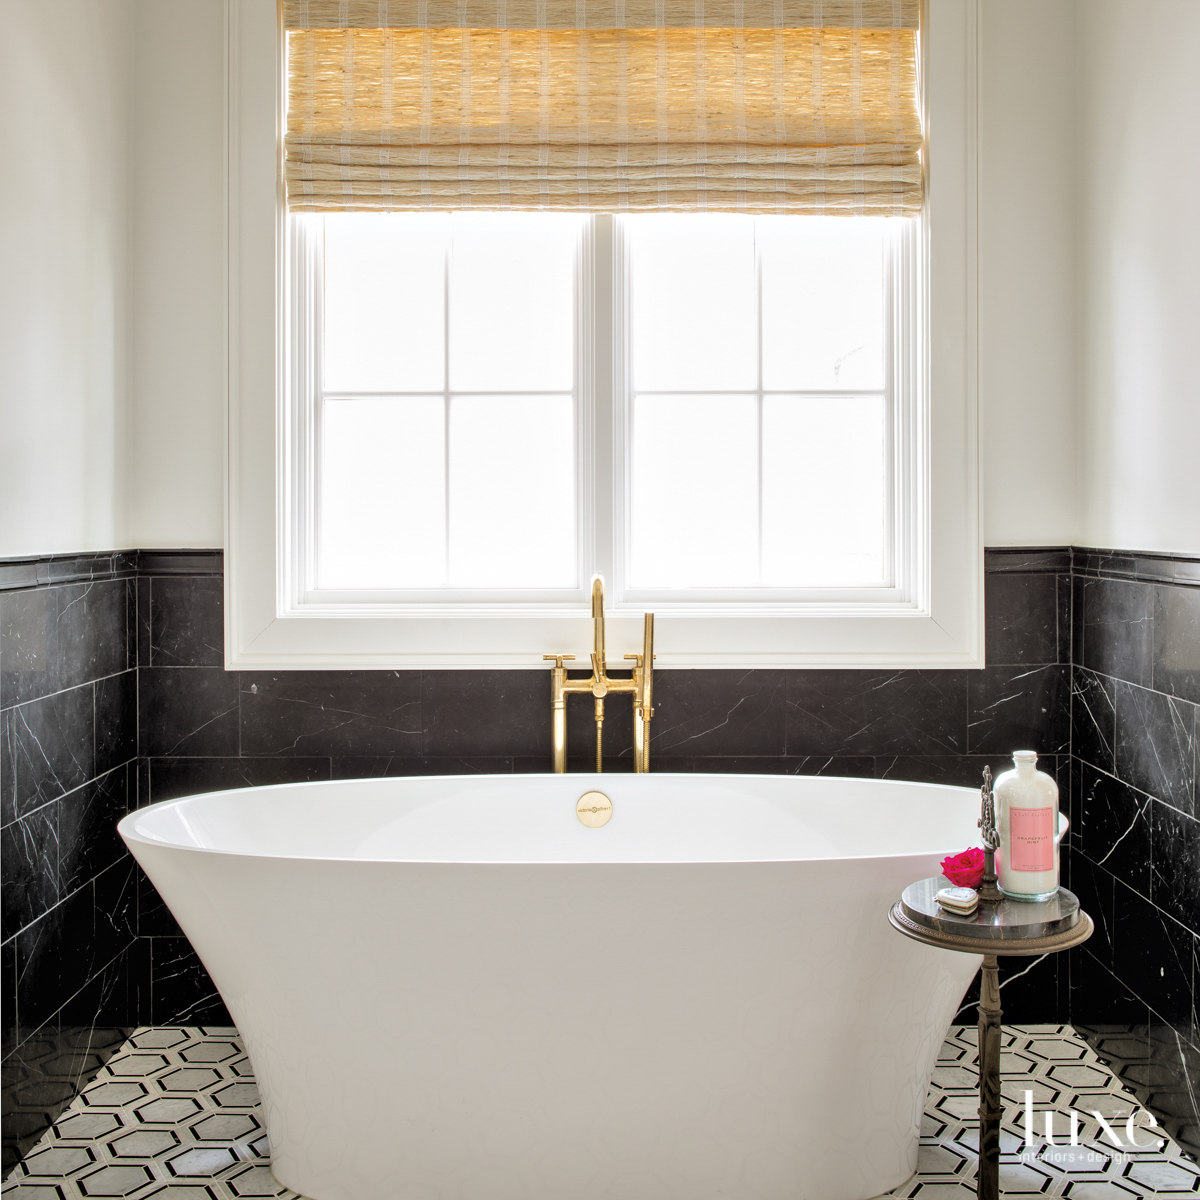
<point x="593" y="809"/>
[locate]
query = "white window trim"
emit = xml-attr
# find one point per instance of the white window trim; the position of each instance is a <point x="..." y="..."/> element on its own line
<point x="941" y="625"/>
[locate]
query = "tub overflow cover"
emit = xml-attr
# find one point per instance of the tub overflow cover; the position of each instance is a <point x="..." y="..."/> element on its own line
<point x="593" y="809"/>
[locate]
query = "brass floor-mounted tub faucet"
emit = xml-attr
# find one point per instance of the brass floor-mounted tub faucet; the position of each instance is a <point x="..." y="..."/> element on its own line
<point x="599" y="686"/>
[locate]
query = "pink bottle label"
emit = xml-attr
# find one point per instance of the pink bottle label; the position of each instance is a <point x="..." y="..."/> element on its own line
<point x="1031" y="839"/>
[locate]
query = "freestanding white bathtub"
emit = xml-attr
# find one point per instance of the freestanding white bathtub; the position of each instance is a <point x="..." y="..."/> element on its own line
<point x="451" y="988"/>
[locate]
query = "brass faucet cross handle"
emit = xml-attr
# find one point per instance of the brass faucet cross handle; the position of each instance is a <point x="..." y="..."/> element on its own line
<point x="599" y="685"/>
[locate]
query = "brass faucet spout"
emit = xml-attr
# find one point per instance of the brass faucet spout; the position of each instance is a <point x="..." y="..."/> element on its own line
<point x="598" y="654"/>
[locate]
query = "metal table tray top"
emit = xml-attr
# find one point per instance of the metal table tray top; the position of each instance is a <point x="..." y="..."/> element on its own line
<point x="1005" y="927"/>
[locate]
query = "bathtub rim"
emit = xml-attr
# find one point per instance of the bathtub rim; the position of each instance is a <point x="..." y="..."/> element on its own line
<point x="126" y="827"/>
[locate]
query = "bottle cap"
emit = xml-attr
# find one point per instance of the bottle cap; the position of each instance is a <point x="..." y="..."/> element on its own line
<point x="1025" y="756"/>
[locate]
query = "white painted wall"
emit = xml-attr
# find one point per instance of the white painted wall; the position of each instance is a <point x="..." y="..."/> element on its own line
<point x="65" y="105"/>
<point x="177" y="481"/>
<point x="111" y="273"/>
<point x="1027" y="271"/>
<point x="1139" y="103"/>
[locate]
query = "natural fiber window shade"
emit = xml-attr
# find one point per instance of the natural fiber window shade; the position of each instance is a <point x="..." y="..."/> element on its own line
<point x="416" y="105"/>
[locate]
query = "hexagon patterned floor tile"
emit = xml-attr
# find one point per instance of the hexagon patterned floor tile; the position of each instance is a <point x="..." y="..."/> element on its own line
<point x="175" y="1114"/>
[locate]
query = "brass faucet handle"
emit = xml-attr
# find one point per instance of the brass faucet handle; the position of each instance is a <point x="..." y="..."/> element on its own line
<point x="599" y="678"/>
<point x="637" y="657"/>
<point x="558" y="659"/>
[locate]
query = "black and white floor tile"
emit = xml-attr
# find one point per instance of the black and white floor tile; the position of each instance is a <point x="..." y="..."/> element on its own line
<point x="175" y="1114"/>
<point x="1065" y="1076"/>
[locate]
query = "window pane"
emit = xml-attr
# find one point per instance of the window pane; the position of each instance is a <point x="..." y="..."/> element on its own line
<point x="694" y="306"/>
<point x="512" y="302"/>
<point x="381" y="498"/>
<point x="512" y="491"/>
<point x="694" y="515"/>
<point x="384" y="302"/>
<point x="822" y="302"/>
<point x="823" y="490"/>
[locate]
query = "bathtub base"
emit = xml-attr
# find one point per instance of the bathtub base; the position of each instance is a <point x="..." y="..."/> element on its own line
<point x="590" y="1032"/>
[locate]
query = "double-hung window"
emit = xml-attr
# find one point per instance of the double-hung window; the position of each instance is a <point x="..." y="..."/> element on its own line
<point x="634" y="289"/>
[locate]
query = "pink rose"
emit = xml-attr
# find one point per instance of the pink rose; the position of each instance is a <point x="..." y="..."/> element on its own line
<point x="965" y="869"/>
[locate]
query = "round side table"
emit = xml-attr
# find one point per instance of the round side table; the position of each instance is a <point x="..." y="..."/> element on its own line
<point x="1002" y="927"/>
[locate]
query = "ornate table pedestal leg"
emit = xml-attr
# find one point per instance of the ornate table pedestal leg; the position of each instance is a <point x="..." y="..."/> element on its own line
<point x="988" y="1177"/>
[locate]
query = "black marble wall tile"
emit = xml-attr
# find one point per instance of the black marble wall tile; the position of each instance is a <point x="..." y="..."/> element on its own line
<point x="1175" y="887"/>
<point x="48" y="748"/>
<point x="1028" y="991"/>
<point x="87" y="819"/>
<point x="117" y="905"/>
<point x="1155" y="747"/>
<point x="29" y="860"/>
<point x="1021" y="618"/>
<point x="1019" y="708"/>
<point x="1195" y="1038"/>
<point x="963" y="770"/>
<point x="375" y="768"/>
<point x="876" y="712"/>
<point x="1093" y="719"/>
<point x="325" y="713"/>
<point x="1152" y="954"/>
<point x="181" y="990"/>
<point x="9" y="1021"/>
<point x="1134" y="715"/>
<point x="116" y="720"/>
<point x="153" y="918"/>
<point x="187" y="618"/>
<point x="1077" y="647"/>
<point x="586" y="765"/>
<point x="1177" y="642"/>
<point x="142" y="621"/>
<point x="1114" y="827"/>
<point x="96" y="1015"/>
<point x="581" y="723"/>
<point x="1118" y="629"/>
<point x="843" y="766"/>
<point x="1063" y="591"/>
<point x="79" y="953"/>
<point x="92" y="631"/>
<point x="488" y="713"/>
<point x="718" y="713"/>
<point x="1095" y="888"/>
<point x="1100" y="997"/>
<point x="36" y="961"/>
<point x="56" y="955"/>
<point x="172" y="777"/>
<point x="188" y="711"/>
<point x="28" y="645"/>
<point x="1171" y="1072"/>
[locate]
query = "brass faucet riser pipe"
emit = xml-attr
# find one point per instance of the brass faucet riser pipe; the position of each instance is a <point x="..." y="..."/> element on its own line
<point x="646" y="695"/>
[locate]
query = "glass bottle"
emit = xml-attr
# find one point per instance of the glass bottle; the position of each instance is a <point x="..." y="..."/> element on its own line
<point x="1027" y="819"/>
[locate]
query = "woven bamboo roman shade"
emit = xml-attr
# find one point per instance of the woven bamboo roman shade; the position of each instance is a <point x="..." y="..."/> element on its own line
<point x="755" y="106"/>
